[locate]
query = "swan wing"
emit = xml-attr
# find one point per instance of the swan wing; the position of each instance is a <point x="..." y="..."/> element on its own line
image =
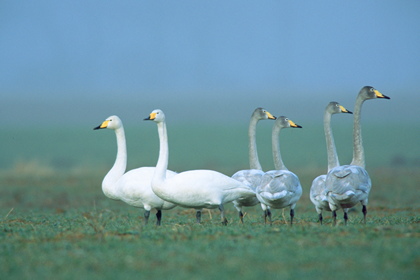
<point x="134" y="188"/>
<point x="280" y="188"/>
<point x="250" y="177"/>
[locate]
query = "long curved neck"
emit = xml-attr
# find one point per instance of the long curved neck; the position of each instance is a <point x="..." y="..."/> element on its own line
<point x="358" y="152"/>
<point x="278" y="162"/>
<point x="120" y="164"/>
<point x="162" y="164"/>
<point x="329" y="138"/>
<point x="254" y="162"/>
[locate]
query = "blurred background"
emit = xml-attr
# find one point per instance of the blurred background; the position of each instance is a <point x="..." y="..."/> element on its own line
<point x="67" y="65"/>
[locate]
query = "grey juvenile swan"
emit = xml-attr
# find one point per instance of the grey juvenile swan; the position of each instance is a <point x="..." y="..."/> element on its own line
<point x="251" y="177"/>
<point x="280" y="188"/>
<point x="317" y="192"/>
<point x="348" y="185"/>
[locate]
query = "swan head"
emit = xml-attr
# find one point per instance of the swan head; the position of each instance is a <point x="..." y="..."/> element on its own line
<point x="369" y="92"/>
<point x="262" y="114"/>
<point x="335" y="108"/>
<point x="284" y="122"/>
<point x="112" y="122"/>
<point x="156" y="116"/>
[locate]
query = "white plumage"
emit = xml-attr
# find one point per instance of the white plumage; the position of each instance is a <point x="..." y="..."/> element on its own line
<point x="133" y="187"/>
<point x="196" y="188"/>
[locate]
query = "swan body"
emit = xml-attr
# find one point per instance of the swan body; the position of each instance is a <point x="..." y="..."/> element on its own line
<point x="195" y="188"/>
<point x="199" y="189"/>
<point x="280" y="188"/>
<point x="346" y="194"/>
<point x="133" y="187"/>
<point x="348" y="185"/>
<point x="251" y="177"/>
<point x="317" y="191"/>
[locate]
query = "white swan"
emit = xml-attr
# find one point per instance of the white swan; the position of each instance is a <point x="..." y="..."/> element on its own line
<point x="133" y="187"/>
<point x="348" y="185"/>
<point x="251" y="177"/>
<point x="280" y="188"/>
<point x="196" y="188"/>
<point x="317" y="192"/>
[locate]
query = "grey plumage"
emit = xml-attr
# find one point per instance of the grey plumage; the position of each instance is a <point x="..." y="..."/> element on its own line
<point x="251" y="177"/>
<point x="348" y="185"/>
<point x="280" y="188"/>
<point x="317" y="191"/>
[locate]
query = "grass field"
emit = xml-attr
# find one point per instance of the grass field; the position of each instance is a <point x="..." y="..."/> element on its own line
<point x="55" y="223"/>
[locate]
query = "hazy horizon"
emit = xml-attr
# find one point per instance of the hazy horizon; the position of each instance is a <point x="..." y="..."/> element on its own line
<point x="78" y="62"/>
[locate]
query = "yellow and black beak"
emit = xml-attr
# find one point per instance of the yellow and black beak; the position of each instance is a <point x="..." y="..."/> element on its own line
<point x="270" y="116"/>
<point x="292" y="124"/>
<point x="380" y="95"/>
<point x="151" y="117"/>
<point x="344" y="110"/>
<point x="102" y="125"/>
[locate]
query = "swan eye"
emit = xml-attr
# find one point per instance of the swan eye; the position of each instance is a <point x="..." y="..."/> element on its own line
<point x="372" y="89"/>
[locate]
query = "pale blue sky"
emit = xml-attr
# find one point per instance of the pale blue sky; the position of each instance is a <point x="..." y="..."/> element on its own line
<point x="85" y="60"/>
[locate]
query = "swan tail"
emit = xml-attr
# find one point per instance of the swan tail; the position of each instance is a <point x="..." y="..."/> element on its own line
<point x="274" y="196"/>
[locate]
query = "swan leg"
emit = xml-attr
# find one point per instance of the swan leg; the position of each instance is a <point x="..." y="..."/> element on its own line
<point x="158" y="217"/>
<point x="222" y="214"/>
<point x="345" y="217"/>
<point x="198" y="216"/>
<point x="319" y="211"/>
<point x="146" y="216"/>
<point x="334" y="215"/>
<point x="267" y="213"/>
<point x="241" y="216"/>
<point x="364" y="210"/>
<point x="292" y="215"/>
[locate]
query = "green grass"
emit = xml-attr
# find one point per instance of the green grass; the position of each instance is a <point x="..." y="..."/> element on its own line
<point x="55" y="223"/>
<point x="63" y="227"/>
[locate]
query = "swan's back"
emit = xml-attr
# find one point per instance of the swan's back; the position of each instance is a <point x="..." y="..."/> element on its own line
<point x="318" y="186"/>
<point x="347" y="185"/>
<point x="279" y="180"/>
<point x="348" y="177"/>
<point x="202" y="189"/>
<point x="317" y="193"/>
<point x="250" y="177"/>
<point x="134" y="188"/>
<point x="279" y="188"/>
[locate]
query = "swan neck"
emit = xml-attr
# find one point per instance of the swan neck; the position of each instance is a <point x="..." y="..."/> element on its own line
<point x="162" y="164"/>
<point x="254" y="162"/>
<point x="358" y="151"/>
<point x="120" y="164"/>
<point x="329" y="139"/>
<point x="275" y="137"/>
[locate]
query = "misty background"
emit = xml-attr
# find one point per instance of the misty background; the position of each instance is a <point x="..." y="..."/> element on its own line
<point x="67" y="65"/>
<point x="77" y="62"/>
